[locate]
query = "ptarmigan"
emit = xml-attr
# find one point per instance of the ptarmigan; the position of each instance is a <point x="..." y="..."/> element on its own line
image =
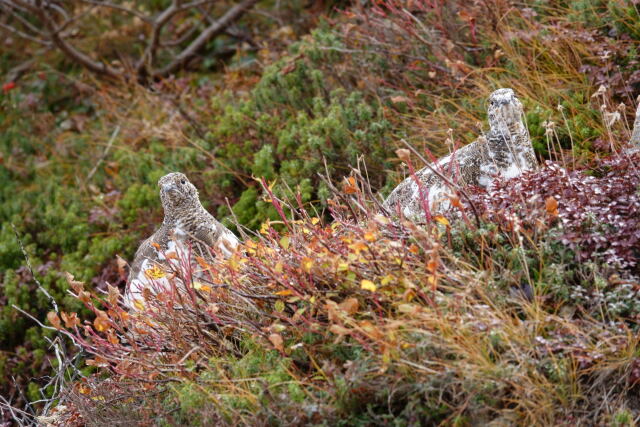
<point x="186" y="226"/>
<point x="634" y="142"/>
<point x="505" y="150"/>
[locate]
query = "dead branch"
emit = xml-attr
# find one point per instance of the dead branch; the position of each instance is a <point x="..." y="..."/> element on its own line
<point x="49" y="24"/>
<point x="210" y="32"/>
<point x="33" y="274"/>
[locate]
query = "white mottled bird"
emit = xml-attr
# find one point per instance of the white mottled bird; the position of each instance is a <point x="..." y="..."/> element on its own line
<point x="186" y="225"/>
<point x="634" y="142"/>
<point x="505" y="150"/>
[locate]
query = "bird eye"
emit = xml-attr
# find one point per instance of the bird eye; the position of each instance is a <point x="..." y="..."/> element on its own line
<point x="183" y="182"/>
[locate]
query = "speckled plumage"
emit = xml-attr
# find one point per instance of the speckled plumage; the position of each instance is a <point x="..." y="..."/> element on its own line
<point x="186" y="225"/>
<point x="635" y="134"/>
<point x="505" y="150"/>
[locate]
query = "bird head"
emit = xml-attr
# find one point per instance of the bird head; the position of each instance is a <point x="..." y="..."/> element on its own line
<point x="176" y="192"/>
<point x="505" y="113"/>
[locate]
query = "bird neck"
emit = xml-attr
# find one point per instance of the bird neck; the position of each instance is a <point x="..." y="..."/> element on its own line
<point x="508" y="132"/>
<point x="183" y="213"/>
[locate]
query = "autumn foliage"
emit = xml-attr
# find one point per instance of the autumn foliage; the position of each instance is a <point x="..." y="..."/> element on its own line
<point x="370" y="318"/>
<point x="525" y="314"/>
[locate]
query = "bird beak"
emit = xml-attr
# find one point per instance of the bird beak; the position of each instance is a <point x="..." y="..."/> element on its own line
<point x="168" y="187"/>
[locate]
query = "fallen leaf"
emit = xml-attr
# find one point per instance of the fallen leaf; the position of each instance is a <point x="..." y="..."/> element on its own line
<point x="368" y="285"/>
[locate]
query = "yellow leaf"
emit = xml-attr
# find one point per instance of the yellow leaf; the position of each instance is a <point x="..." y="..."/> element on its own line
<point x="264" y="228"/>
<point x="358" y="247"/>
<point x="154" y="273"/>
<point x="278" y="268"/>
<point x="200" y="287"/>
<point x="369" y="236"/>
<point x="386" y="279"/>
<point x="343" y="266"/>
<point x="368" y="285"/>
<point x="279" y="306"/>
<point x="101" y="322"/>
<point x="138" y="304"/>
<point x="315" y="220"/>
<point x="284" y="242"/>
<point x="408" y="308"/>
<point x="441" y="220"/>
<point x="307" y="263"/>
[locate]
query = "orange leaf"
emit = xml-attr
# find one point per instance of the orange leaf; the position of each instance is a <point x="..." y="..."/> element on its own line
<point x="285" y="293"/>
<point x="75" y="285"/>
<point x="551" y="204"/>
<point x="350" y="186"/>
<point x="121" y="263"/>
<point x="85" y="297"/>
<point x="53" y="318"/>
<point x="111" y="336"/>
<point x="441" y="220"/>
<point x="70" y="320"/>
<point x="171" y="255"/>
<point x="339" y="330"/>
<point x="432" y="265"/>
<point x="307" y="263"/>
<point x="113" y="296"/>
<point x="101" y="322"/>
<point x="277" y="341"/>
<point x="350" y="305"/>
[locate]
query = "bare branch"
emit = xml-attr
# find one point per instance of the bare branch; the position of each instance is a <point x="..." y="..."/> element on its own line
<point x="125" y="9"/>
<point x="150" y="52"/>
<point x="114" y="135"/>
<point x="211" y="31"/>
<point x="33" y="274"/>
<point x="23" y="35"/>
<point x="9" y="7"/>
<point x="75" y="54"/>
<point x="186" y="36"/>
